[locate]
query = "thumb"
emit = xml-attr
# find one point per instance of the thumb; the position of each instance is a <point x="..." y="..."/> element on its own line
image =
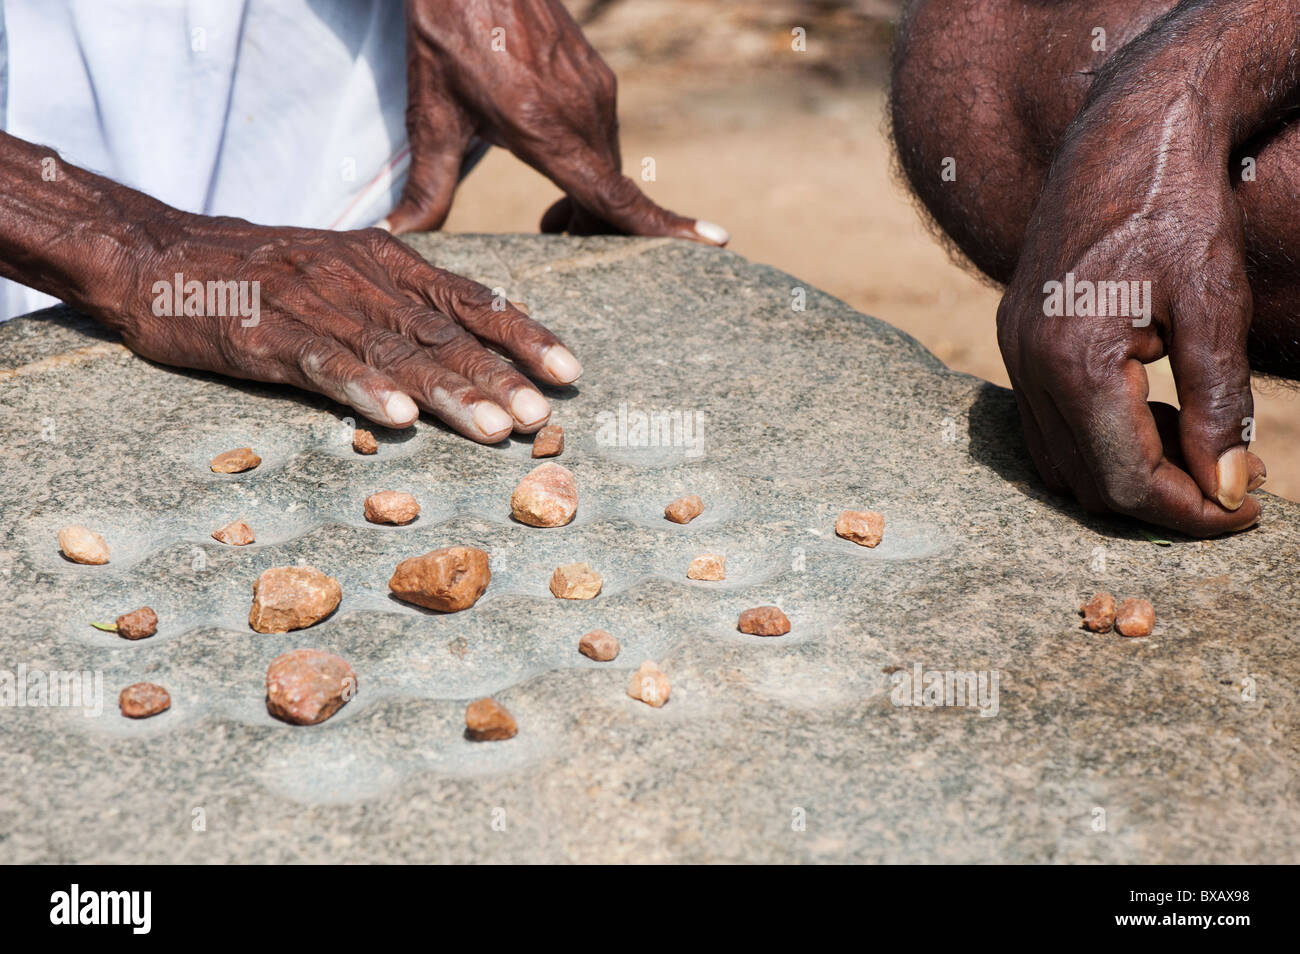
<point x="432" y="178"/>
<point x="1208" y="357"/>
<point x="613" y="197"/>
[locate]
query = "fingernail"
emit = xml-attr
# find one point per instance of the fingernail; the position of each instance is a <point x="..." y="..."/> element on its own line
<point x="385" y="225"/>
<point x="1257" y="483"/>
<point x="520" y="306"/>
<point x="1232" y="475"/>
<point x="562" y="365"/>
<point x="401" y="410"/>
<point x="491" y="419"/>
<point x="712" y="232"/>
<point x="529" y="407"/>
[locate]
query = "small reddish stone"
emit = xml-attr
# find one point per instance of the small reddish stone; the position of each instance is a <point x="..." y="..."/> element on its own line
<point x="138" y="623"/>
<point x="292" y="597"/>
<point x="1135" y="617"/>
<point x="307" y="686"/>
<point x="546" y="497"/>
<point x="363" y="442"/>
<point x="142" y="700"/>
<point x="81" y="546"/>
<point x="236" y="534"/>
<point x="649" y="685"/>
<point x="488" y="721"/>
<point x="1099" y="613"/>
<point x="599" y="645"/>
<point x="684" y="509"/>
<point x="707" y="566"/>
<point x="235" y="461"/>
<point x="391" y="506"/>
<point x="576" y="581"/>
<point x="863" y="527"/>
<point x="448" y="580"/>
<point x="764" y="621"/>
<point x="549" y="441"/>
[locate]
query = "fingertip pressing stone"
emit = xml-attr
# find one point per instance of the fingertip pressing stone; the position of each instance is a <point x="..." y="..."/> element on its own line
<point x="576" y="581"/>
<point x="138" y="623"/>
<point x="363" y="442"/>
<point x="391" y="506"/>
<point x="549" y="441"/>
<point x="236" y="534"/>
<point x="486" y="720"/>
<point x="684" y="509"/>
<point x="1135" y="617"/>
<point x="764" y="621"/>
<point x="649" y="685"/>
<point x="292" y="597"/>
<point x="142" y="700"/>
<point x="546" y="497"/>
<point x="599" y="645"/>
<point x="1099" y="613"/>
<point x="235" y="461"/>
<point x="707" y="566"/>
<point x="863" y="527"/>
<point x="448" y="580"/>
<point x="80" y="545"/>
<point x="307" y="686"/>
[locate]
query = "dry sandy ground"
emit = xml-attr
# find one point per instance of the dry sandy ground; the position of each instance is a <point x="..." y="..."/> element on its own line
<point x="799" y="170"/>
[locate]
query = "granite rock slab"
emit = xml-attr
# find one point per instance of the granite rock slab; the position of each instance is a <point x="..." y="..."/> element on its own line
<point x="1181" y="747"/>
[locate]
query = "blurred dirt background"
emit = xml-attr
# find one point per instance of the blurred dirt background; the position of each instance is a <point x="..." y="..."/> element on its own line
<point x="789" y="151"/>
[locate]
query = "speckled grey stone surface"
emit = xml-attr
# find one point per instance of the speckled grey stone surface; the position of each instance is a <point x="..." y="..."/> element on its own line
<point x="779" y="749"/>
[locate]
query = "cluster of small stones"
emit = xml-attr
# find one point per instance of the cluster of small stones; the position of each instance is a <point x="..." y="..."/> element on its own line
<point x="308" y="686"/>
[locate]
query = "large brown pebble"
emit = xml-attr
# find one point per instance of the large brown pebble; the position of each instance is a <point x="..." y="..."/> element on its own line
<point x="707" y="566"/>
<point x="488" y="721"/>
<point x="1135" y="617"/>
<point x="142" y="700"/>
<point x="81" y="546"/>
<point x="138" y="623"/>
<point x="649" y="685"/>
<point x="307" y="686"/>
<point x="684" y="509"/>
<point x="863" y="527"/>
<point x="391" y="506"/>
<point x="549" y="441"/>
<point x="448" y="580"/>
<point x="599" y="645"/>
<point x="292" y="597"/>
<point x="235" y="461"/>
<point x="235" y="534"/>
<point x="576" y="581"/>
<point x="1099" y="613"/>
<point x="546" y="497"/>
<point x="764" y="621"/>
<point x="363" y="442"/>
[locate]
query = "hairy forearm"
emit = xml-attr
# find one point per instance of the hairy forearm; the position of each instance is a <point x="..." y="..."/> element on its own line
<point x="1221" y="70"/>
<point x="69" y="232"/>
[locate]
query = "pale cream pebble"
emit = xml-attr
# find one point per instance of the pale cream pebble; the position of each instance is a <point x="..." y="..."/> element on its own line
<point x="80" y="545"/>
<point x="576" y="581"/>
<point x="649" y="685"/>
<point x="392" y="506"/>
<point x="707" y="566"/>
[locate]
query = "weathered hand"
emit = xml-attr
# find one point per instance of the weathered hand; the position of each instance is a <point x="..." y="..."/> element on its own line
<point x="519" y="74"/>
<point x="357" y="316"/>
<point x="1146" y="212"/>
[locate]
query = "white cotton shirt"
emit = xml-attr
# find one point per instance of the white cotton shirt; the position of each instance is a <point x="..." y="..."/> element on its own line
<point x="283" y="112"/>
